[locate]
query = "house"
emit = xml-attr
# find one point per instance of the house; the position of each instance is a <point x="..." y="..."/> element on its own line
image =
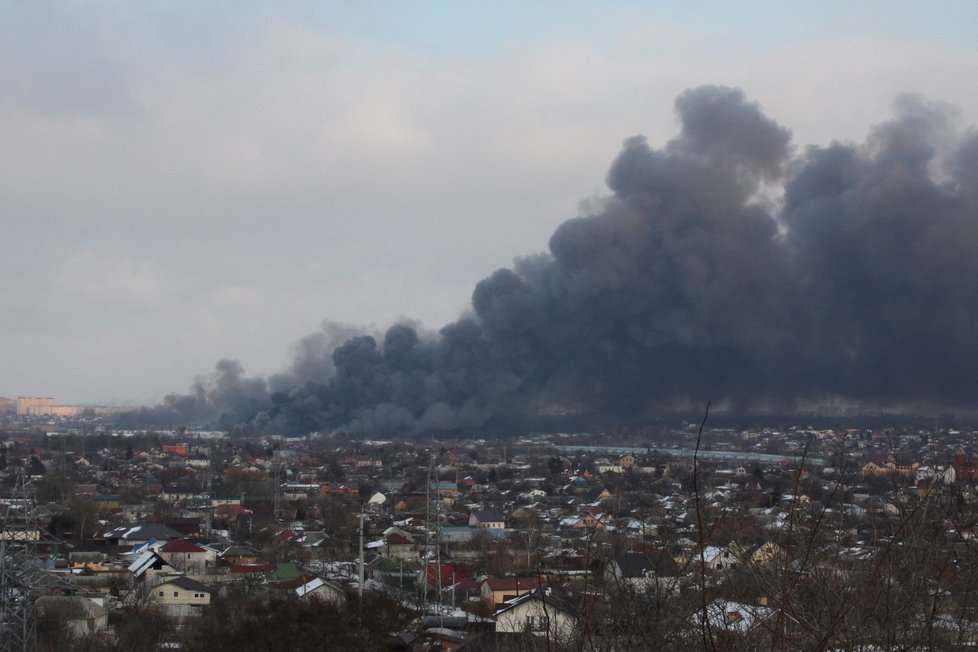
<point x="581" y="522"/>
<point x="225" y="500"/>
<point x="540" y="614"/>
<point x="608" y="467"/>
<point x="598" y="495"/>
<point x="487" y="520"/>
<point x="174" y="449"/>
<point x="736" y="624"/>
<point x="873" y="470"/>
<point x="139" y="533"/>
<point x="79" y="616"/>
<point x="107" y="502"/>
<point x="715" y="558"/>
<point x="445" y="574"/>
<point x="652" y="571"/>
<point x="149" y="564"/>
<point x="238" y="555"/>
<point x="181" y="596"/>
<point x="186" y="526"/>
<point x="494" y="591"/>
<point x="759" y="553"/>
<point x="399" y="545"/>
<point x="185" y="556"/>
<point x="325" y="590"/>
<point x="289" y="535"/>
<point x="732" y="616"/>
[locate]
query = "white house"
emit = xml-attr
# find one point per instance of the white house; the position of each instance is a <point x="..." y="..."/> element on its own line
<point x="181" y="596"/>
<point x="487" y="520"/>
<point x="540" y="614"/>
<point x="322" y="589"/>
<point x="184" y="555"/>
<point x="655" y="571"/>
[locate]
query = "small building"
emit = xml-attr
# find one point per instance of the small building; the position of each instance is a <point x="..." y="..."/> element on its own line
<point x="654" y="571"/>
<point x="78" y="616"/>
<point x="185" y="556"/>
<point x="139" y="533"/>
<point x="540" y="614"/>
<point x="494" y="591"/>
<point x="487" y="520"/>
<point x="399" y="545"/>
<point x="325" y="590"/>
<point x="181" y="596"/>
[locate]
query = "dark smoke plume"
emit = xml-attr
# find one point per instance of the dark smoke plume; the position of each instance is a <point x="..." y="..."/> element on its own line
<point x="690" y="282"/>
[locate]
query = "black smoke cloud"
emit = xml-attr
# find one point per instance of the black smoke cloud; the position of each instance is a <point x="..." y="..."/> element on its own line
<point x="724" y="266"/>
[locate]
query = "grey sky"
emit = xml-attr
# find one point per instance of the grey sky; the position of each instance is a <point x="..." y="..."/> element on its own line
<point x="183" y="182"/>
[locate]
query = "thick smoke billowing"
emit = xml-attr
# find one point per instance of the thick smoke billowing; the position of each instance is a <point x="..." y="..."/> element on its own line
<point x="696" y="280"/>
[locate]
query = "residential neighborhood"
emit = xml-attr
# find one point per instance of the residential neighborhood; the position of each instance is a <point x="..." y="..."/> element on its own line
<point x="638" y="538"/>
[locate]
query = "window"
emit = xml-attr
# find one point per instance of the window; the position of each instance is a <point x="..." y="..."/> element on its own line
<point x="176" y="594"/>
<point x="161" y="594"/>
<point x="536" y="623"/>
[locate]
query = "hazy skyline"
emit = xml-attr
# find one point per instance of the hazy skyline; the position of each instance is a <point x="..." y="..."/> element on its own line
<point x="184" y="183"/>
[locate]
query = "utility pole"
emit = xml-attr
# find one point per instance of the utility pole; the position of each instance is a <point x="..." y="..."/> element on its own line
<point x="277" y="499"/>
<point x="427" y="541"/>
<point x="360" y="570"/>
<point x="438" y="535"/>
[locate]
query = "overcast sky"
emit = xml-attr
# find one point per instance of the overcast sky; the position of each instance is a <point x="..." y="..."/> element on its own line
<point x="187" y="181"/>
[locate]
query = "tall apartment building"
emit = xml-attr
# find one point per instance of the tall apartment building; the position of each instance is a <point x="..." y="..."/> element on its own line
<point x="43" y="406"/>
<point x="34" y="406"/>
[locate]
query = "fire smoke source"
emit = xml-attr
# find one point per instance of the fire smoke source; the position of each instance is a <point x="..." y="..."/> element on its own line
<point x="687" y="283"/>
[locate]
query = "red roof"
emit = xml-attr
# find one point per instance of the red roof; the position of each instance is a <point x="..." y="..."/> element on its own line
<point x="252" y="568"/>
<point x="285" y="535"/>
<point x="181" y="545"/>
<point x="449" y="572"/>
<point x="231" y="509"/>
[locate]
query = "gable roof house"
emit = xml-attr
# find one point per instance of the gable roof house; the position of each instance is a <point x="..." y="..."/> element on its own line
<point x="736" y="624"/>
<point x="140" y="533"/>
<point x="149" y="564"/>
<point x="325" y="590"/>
<point x="494" y="591"/>
<point x="540" y="614"/>
<point x="184" y="555"/>
<point x="653" y="571"/>
<point x="181" y="596"/>
<point x="399" y="544"/>
<point x="80" y="616"/>
<point x="487" y="519"/>
<point x="583" y="521"/>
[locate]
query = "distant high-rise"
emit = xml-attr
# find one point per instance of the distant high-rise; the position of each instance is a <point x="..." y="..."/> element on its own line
<point x="34" y="406"/>
<point x="43" y="406"/>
